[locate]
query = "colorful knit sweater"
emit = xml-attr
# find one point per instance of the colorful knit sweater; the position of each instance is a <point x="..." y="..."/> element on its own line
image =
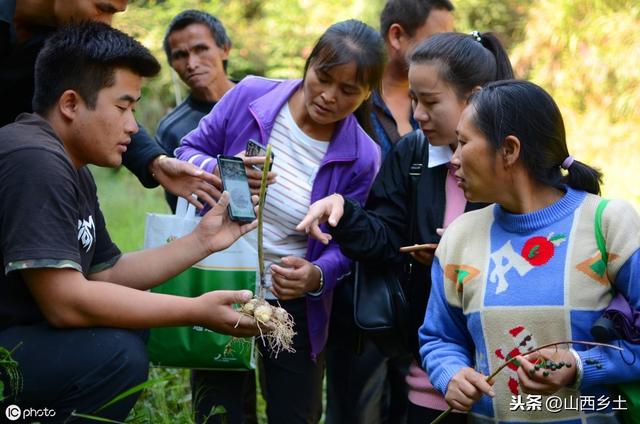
<point x="505" y="283"/>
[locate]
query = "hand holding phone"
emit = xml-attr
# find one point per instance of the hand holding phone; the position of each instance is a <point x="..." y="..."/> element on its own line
<point x="422" y="253"/>
<point x="235" y="181"/>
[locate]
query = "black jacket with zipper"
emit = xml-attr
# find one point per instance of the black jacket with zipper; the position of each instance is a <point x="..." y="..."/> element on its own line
<point x="374" y="234"/>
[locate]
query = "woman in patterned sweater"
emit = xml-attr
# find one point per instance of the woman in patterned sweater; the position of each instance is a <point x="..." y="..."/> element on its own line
<point x="524" y="272"/>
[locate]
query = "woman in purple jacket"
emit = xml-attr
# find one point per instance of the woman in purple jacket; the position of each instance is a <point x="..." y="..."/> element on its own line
<point x="319" y="149"/>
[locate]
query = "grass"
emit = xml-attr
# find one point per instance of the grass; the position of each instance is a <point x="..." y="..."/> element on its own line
<point x="125" y="203"/>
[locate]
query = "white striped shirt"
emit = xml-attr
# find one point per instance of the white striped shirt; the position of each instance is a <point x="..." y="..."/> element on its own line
<point x="297" y="159"/>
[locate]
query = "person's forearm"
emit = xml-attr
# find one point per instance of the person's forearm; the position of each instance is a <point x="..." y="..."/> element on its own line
<point x="112" y="305"/>
<point x="69" y="300"/>
<point x="362" y="235"/>
<point x="147" y="268"/>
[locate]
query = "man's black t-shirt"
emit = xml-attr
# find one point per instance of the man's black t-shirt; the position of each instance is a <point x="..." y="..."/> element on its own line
<point x="49" y="215"/>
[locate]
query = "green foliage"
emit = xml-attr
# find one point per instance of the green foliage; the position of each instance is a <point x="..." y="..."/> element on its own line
<point x="506" y="18"/>
<point x="587" y="54"/>
<point x="125" y="204"/>
<point x="165" y="403"/>
<point x="9" y="367"/>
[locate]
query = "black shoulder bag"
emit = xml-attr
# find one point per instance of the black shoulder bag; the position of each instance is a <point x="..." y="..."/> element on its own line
<point x="381" y="308"/>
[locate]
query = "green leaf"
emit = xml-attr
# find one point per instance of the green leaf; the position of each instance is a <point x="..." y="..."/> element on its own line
<point x="140" y="387"/>
<point x="94" y="418"/>
<point x="218" y="410"/>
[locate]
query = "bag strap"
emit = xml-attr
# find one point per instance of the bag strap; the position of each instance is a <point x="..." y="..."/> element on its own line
<point x="602" y="245"/>
<point x="388" y="125"/>
<point x="415" y="170"/>
<point x="600" y="241"/>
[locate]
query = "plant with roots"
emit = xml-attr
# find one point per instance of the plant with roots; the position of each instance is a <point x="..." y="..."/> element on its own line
<point x="501" y="367"/>
<point x="281" y="337"/>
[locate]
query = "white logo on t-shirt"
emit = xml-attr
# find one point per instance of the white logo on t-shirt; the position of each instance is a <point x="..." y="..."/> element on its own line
<point x="86" y="232"/>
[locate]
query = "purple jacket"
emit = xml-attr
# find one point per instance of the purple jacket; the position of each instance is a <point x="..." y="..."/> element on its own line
<point x="249" y="110"/>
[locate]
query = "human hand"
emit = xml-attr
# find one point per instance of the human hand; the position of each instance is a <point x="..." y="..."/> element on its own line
<point x="254" y="176"/>
<point x="217" y="231"/>
<point x="185" y="179"/>
<point x="297" y="277"/>
<point x="422" y="253"/>
<point x="328" y="209"/>
<point x="218" y="314"/>
<point x="536" y="382"/>
<point x="425" y="256"/>
<point x="466" y="387"/>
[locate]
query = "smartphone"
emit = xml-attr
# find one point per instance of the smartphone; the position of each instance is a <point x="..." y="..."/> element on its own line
<point x="234" y="180"/>
<point x="255" y="148"/>
<point x="406" y="249"/>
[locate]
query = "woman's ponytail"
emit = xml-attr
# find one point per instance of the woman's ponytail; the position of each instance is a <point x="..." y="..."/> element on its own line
<point x="581" y="176"/>
<point x="522" y="109"/>
<point x="503" y="66"/>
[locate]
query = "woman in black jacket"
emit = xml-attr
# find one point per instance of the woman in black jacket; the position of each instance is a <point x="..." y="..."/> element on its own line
<point x="444" y="70"/>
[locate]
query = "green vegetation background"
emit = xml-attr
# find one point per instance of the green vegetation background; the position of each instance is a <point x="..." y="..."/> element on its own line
<point x="585" y="52"/>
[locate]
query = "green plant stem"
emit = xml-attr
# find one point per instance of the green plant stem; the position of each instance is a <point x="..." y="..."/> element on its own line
<point x="263" y="195"/>
<point x="501" y="367"/>
<point x="6" y="354"/>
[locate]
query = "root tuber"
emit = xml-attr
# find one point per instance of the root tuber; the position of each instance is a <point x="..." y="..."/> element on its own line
<point x="281" y="337"/>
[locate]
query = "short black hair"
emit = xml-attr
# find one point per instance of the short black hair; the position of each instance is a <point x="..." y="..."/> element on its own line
<point x="189" y="17"/>
<point x="84" y="57"/>
<point x="409" y="14"/>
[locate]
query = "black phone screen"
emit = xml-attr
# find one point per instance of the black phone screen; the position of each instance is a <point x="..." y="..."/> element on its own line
<point x="234" y="180"/>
